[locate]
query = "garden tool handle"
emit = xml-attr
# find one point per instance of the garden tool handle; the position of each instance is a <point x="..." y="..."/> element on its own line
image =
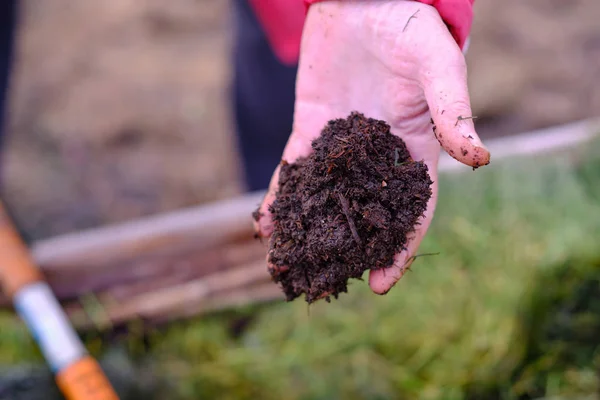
<point x="78" y="375"/>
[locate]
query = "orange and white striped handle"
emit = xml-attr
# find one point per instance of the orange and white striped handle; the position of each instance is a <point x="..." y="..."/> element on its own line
<point x="84" y="379"/>
<point x="78" y="375"/>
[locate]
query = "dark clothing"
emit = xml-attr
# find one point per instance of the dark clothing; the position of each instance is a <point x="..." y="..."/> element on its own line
<point x="8" y="23"/>
<point x="263" y="95"/>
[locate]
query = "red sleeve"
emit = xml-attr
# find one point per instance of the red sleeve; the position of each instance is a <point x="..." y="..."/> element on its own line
<point x="282" y="21"/>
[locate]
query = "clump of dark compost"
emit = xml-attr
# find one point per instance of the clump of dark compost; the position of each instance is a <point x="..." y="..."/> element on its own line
<point x="348" y="207"/>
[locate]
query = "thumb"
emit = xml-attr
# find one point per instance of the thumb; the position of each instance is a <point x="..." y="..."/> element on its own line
<point x="445" y="86"/>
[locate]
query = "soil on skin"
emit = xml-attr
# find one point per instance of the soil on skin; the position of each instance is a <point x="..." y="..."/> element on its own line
<point x="346" y="208"/>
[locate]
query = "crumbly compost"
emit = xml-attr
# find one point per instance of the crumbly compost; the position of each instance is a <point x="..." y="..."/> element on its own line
<point x="348" y="207"/>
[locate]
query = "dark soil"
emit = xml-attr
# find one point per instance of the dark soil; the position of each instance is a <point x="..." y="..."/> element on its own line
<point x="346" y="208"/>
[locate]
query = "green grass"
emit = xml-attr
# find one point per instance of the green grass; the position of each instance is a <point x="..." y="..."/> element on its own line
<point x="16" y="345"/>
<point x="453" y="328"/>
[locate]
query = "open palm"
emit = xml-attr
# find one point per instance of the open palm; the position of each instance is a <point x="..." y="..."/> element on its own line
<point x="390" y="60"/>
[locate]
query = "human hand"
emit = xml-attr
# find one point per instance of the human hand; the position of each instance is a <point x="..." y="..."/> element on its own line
<point x="390" y="60"/>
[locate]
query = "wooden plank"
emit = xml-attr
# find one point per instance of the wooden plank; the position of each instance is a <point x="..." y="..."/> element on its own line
<point x="238" y="286"/>
<point x="199" y="227"/>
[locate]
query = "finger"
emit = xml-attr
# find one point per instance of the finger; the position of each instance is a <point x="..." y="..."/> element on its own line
<point x="263" y="224"/>
<point x="382" y="280"/>
<point x="444" y="82"/>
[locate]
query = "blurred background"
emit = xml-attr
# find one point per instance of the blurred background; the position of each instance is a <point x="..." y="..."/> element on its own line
<point x="121" y="110"/>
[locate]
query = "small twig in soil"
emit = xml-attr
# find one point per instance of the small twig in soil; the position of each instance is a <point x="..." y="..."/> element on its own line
<point x="413" y="258"/>
<point x="306" y="277"/>
<point x="397" y="157"/>
<point x="411" y="17"/>
<point x="346" y="210"/>
<point x="461" y="118"/>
